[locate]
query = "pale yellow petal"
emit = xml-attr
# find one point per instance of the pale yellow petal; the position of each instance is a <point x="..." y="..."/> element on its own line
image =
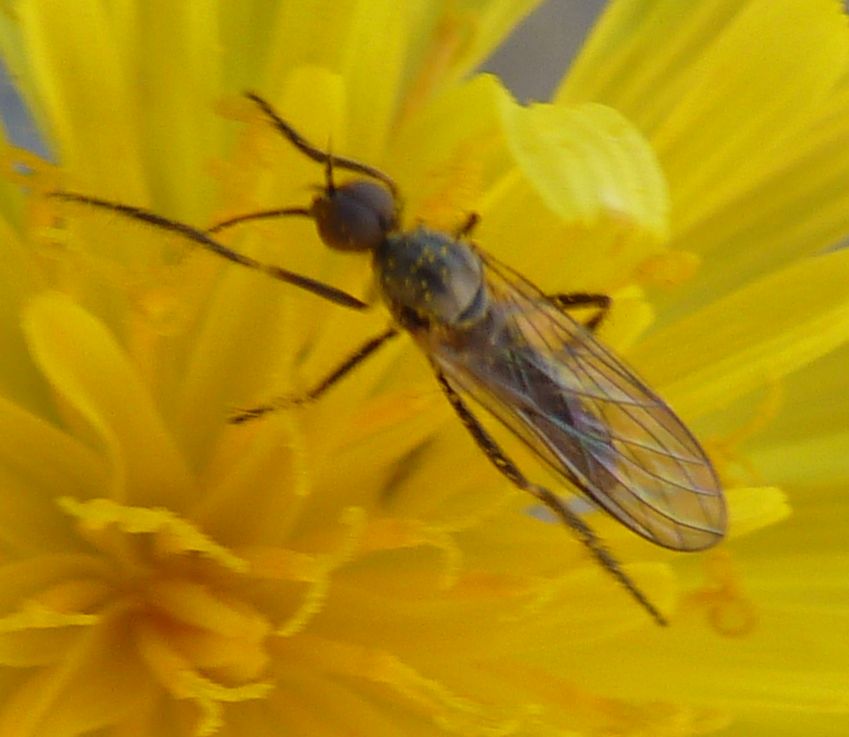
<point x="561" y="211"/>
<point x="755" y="508"/>
<point x="569" y="154"/>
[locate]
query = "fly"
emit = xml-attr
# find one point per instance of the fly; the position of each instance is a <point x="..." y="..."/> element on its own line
<point x="494" y="340"/>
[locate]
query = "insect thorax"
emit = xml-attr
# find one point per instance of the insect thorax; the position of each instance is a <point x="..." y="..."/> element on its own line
<point x="427" y="277"/>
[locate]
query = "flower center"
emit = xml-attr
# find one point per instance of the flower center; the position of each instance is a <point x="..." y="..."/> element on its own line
<point x="180" y="595"/>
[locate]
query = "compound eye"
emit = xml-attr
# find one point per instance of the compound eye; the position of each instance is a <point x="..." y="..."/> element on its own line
<point x="355" y="216"/>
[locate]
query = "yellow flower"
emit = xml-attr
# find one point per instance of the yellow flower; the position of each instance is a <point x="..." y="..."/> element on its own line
<point x="357" y="567"/>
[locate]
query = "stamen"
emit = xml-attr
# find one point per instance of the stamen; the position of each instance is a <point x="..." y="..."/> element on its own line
<point x="454" y="713"/>
<point x="730" y="612"/>
<point x="668" y="269"/>
<point x="182" y="681"/>
<point x="389" y="533"/>
<point x="173" y="535"/>
<point x="315" y="570"/>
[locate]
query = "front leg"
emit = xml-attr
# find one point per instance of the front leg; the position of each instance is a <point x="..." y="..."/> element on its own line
<point x="204" y="240"/>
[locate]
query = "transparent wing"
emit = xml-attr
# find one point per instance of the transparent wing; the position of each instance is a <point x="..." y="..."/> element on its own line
<point x="583" y="412"/>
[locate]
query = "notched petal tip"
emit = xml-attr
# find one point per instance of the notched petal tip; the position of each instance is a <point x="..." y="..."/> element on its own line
<point x="588" y="161"/>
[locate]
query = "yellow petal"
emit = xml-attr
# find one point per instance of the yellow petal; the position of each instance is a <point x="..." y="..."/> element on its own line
<point x="173" y="535"/>
<point x="587" y="160"/>
<point x="36" y="460"/>
<point x="172" y="46"/>
<point x="362" y="42"/>
<point x="752" y="509"/>
<point x="13" y="169"/>
<point x="812" y="459"/>
<point x="762" y="332"/>
<point x="450" y="39"/>
<point x="32" y="630"/>
<point x="91" y="373"/>
<point x="68" y="48"/>
<point x="45" y="457"/>
<point x="742" y="184"/>
<point x="587" y="194"/>
<point x="443" y="156"/>
<point x="489" y="23"/>
<point x="765" y="669"/>
<point x="805" y="440"/>
<point x="178" y="677"/>
<point x="89" y="689"/>
<point x="450" y="710"/>
<point x="20" y="278"/>
<point x="699" y="117"/>
<point x="800" y="207"/>
<point x="711" y="145"/>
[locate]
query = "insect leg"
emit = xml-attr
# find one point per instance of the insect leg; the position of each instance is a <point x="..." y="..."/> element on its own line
<point x="316" y="154"/>
<point x="551" y="500"/>
<point x="356" y="358"/>
<point x="325" y="291"/>
<point x="582" y="299"/>
<point x="468" y="226"/>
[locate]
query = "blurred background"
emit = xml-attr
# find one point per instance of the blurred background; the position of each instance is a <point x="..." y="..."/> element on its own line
<point x="532" y="60"/>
